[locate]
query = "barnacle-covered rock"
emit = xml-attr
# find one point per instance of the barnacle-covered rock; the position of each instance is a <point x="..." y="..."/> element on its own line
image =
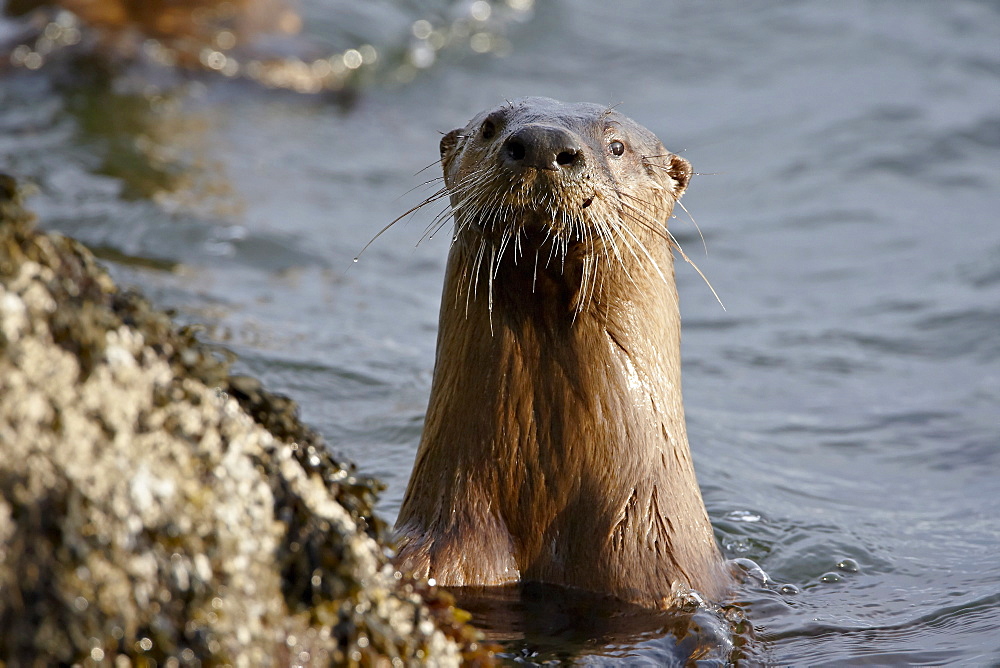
<point x="154" y="508"/>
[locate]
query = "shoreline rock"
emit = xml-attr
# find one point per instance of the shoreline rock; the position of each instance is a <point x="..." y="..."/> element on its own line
<point x="155" y="508"/>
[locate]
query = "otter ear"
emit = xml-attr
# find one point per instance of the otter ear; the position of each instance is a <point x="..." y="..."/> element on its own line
<point x="448" y="144"/>
<point x="680" y="171"/>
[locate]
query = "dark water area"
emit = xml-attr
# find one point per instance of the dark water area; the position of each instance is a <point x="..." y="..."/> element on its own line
<point x="844" y="408"/>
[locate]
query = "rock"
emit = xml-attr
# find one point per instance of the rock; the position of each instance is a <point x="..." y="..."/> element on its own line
<point x="154" y="508"/>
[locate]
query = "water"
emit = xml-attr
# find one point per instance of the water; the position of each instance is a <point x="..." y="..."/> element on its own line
<point x="844" y="406"/>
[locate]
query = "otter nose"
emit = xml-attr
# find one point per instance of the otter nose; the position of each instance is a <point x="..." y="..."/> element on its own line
<point x="543" y="147"/>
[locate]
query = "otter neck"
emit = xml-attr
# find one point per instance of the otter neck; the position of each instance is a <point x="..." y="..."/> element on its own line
<point x="575" y="450"/>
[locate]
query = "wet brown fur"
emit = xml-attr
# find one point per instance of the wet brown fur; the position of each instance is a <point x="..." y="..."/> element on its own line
<point x="555" y="447"/>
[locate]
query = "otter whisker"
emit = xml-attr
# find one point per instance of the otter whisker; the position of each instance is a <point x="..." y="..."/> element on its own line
<point x="592" y="262"/>
<point x="582" y="295"/>
<point x="517" y="244"/>
<point x="504" y="240"/>
<point x="480" y="255"/>
<point x="473" y="289"/>
<point x="605" y="234"/>
<point x="640" y="213"/>
<point x="642" y="247"/>
<point x="433" y="164"/>
<point x="437" y="179"/>
<point x="435" y="226"/>
<point x="640" y="217"/>
<point x="681" y="204"/>
<point x="591" y="265"/>
<point x="493" y="260"/>
<point x="433" y="198"/>
<point x="703" y="277"/>
<point x="617" y="227"/>
<point x="696" y="226"/>
<point x="534" y="276"/>
<point x="563" y="246"/>
<point x="663" y="231"/>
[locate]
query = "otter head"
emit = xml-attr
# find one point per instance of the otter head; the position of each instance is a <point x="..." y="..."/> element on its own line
<point x="577" y="184"/>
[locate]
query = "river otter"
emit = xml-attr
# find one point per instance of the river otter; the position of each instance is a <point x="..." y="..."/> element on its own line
<point x="555" y="448"/>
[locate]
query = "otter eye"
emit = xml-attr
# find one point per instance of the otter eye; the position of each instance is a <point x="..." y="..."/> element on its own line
<point x="616" y="147"/>
<point x="489" y="129"/>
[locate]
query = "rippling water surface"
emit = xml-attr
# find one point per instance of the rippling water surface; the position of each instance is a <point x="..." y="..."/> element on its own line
<point x="844" y="410"/>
